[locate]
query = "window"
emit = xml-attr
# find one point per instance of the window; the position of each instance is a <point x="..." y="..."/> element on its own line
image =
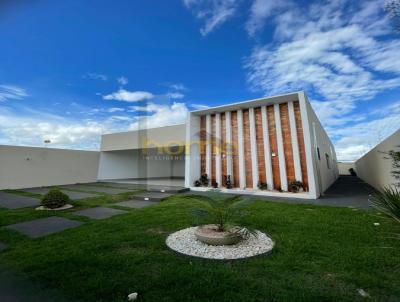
<point x="328" y="164"/>
<point x="319" y="155"/>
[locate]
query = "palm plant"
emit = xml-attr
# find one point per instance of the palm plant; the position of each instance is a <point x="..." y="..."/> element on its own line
<point x="388" y="202"/>
<point x="223" y="212"/>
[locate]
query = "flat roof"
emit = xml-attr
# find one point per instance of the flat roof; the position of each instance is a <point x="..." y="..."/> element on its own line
<point x="293" y="96"/>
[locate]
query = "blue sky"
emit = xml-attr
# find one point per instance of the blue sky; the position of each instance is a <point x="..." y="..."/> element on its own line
<point x="72" y="70"/>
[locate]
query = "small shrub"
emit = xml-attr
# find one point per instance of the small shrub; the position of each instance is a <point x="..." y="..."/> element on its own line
<point x="387" y="201"/>
<point x="295" y="186"/>
<point x="55" y="199"/>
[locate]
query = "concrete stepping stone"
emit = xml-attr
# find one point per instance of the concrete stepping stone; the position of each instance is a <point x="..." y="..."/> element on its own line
<point x="3" y="246"/>
<point x="44" y="226"/>
<point x="99" y="213"/>
<point x="98" y="189"/>
<point x="135" y="204"/>
<point x="71" y="194"/>
<point x="151" y="196"/>
<point x="13" y="201"/>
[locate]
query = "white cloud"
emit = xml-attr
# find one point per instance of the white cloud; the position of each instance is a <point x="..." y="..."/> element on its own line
<point x="122" y="80"/>
<point x="175" y="95"/>
<point x="160" y="115"/>
<point x="213" y="12"/>
<point x="11" y="92"/>
<point x="199" y="106"/>
<point x="129" y="96"/>
<point x="95" y="76"/>
<point x="260" y="11"/>
<point x="115" y="109"/>
<point x="177" y="86"/>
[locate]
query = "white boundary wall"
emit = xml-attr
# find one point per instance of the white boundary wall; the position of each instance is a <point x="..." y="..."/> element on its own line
<point x="23" y="167"/>
<point x="373" y="168"/>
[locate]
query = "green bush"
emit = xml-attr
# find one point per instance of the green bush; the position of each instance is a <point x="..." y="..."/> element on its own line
<point x="55" y="199"/>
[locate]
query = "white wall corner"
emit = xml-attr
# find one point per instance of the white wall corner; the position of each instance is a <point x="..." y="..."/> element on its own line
<point x="313" y="181"/>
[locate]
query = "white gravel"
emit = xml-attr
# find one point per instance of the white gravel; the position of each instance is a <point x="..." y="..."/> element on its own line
<point x="185" y="242"/>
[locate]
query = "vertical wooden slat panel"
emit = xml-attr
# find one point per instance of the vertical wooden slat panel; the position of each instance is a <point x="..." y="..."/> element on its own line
<point x="287" y="142"/>
<point x="247" y="149"/>
<point x="235" y="156"/>
<point x="300" y="138"/>
<point x="274" y="147"/>
<point x="213" y="151"/>
<point x="223" y="148"/>
<point x="202" y="144"/>
<point x="260" y="146"/>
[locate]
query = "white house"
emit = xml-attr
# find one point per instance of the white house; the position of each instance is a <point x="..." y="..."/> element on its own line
<point x="272" y="141"/>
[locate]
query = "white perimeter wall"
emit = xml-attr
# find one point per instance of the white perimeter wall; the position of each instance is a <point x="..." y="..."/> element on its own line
<point x="373" y="168"/>
<point x="135" y="164"/>
<point x="23" y="167"/>
<point x="344" y="168"/>
<point x="325" y="175"/>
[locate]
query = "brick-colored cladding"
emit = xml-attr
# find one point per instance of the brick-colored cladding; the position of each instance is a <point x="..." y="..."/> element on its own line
<point x="247" y="150"/>
<point x="287" y="143"/>
<point x="260" y="146"/>
<point x="203" y="137"/>
<point x="235" y="156"/>
<point x="274" y="148"/>
<point x="223" y="149"/>
<point x="300" y="138"/>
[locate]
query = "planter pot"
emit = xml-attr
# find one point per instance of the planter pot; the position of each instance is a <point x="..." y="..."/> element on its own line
<point x="208" y="234"/>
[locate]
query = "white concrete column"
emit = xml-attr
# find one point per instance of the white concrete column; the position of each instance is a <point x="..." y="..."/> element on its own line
<point x="295" y="143"/>
<point x="218" y="178"/>
<point x="228" y="132"/>
<point x="192" y="152"/>
<point x="281" y="152"/>
<point x="242" y="175"/>
<point x="253" y="148"/>
<point x="208" y="145"/>
<point x="267" y="149"/>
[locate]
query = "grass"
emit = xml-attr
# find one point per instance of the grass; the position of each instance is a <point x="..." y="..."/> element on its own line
<point x="321" y="254"/>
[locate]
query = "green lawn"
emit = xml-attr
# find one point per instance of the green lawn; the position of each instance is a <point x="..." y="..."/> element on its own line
<point x="321" y="254"/>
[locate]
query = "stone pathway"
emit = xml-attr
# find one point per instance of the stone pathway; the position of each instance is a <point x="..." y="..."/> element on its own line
<point x="44" y="226"/>
<point x="71" y="194"/>
<point x="13" y="201"/>
<point x="151" y="196"/>
<point x="135" y="204"/>
<point x="97" y="189"/>
<point x="3" y="246"/>
<point x="99" y="213"/>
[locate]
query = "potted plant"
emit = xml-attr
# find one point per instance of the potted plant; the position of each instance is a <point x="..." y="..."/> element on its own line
<point x="262" y="186"/>
<point x="228" y="182"/>
<point x="295" y="186"/>
<point x="204" y="181"/>
<point x="218" y="217"/>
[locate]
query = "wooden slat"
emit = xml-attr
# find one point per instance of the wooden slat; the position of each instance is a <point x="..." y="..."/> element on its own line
<point x="223" y="148"/>
<point x="260" y="146"/>
<point x="247" y="149"/>
<point x="235" y="156"/>
<point x="300" y="138"/>
<point x="213" y="149"/>
<point x="287" y="142"/>
<point x="203" y="138"/>
<point x="274" y="147"/>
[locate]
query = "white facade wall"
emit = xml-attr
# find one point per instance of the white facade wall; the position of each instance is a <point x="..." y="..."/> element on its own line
<point x="136" y="164"/>
<point x="325" y="167"/>
<point x="344" y="167"/>
<point x="24" y="167"/>
<point x="374" y="168"/>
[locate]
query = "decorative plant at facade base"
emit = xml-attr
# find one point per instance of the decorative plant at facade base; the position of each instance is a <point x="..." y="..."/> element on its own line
<point x="218" y="217"/>
<point x="203" y="181"/>
<point x="296" y="186"/>
<point x="262" y="186"/>
<point x="55" y="199"/>
<point x="228" y="182"/>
